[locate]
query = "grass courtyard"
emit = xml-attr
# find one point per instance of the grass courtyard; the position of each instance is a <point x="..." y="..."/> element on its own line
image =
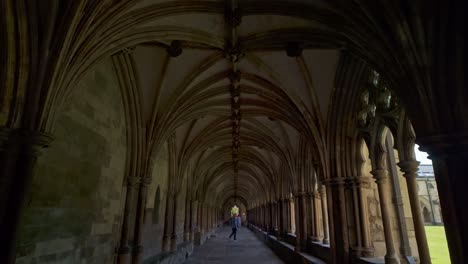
<point x="437" y="244"/>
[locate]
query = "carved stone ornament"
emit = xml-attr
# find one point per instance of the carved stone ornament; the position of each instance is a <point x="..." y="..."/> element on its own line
<point x="234" y="53"/>
<point x="293" y="49"/>
<point x="175" y="49"/>
<point x="233" y="17"/>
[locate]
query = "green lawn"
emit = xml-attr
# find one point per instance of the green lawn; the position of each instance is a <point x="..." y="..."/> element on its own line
<point x="437" y="244"/>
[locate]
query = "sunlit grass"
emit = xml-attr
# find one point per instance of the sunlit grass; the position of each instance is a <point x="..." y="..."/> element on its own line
<point x="438" y="244"/>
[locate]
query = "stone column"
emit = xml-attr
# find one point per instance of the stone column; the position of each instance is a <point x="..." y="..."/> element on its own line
<point x="200" y="219"/>
<point x="174" y="224"/>
<point x="313" y="217"/>
<point x="193" y="214"/>
<point x="381" y="178"/>
<point x="140" y="217"/>
<point x="304" y="219"/>
<point x="188" y="205"/>
<point x="326" y="236"/>
<point x="409" y="168"/>
<point x="300" y="216"/>
<point x="19" y="150"/>
<point x="271" y="227"/>
<point x="362" y="203"/>
<point x="290" y="210"/>
<point x="298" y="247"/>
<point x="337" y="219"/>
<point x="357" y="216"/>
<point x="128" y="225"/>
<point x="280" y="213"/>
<point x="166" y="244"/>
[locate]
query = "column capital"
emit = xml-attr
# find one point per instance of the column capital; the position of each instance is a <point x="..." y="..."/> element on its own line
<point x="5" y="134"/>
<point x="299" y="194"/>
<point x="28" y="142"/>
<point x="409" y="167"/>
<point x="358" y="181"/>
<point x="316" y="194"/>
<point x="146" y="180"/>
<point x="334" y="181"/>
<point x="380" y="175"/>
<point x="133" y="181"/>
<point x="128" y="50"/>
<point x="445" y="145"/>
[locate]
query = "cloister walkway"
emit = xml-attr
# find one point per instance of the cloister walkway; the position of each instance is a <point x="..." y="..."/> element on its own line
<point x="247" y="249"/>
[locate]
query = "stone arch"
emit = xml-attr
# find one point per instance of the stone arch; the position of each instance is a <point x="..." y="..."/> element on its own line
<point x="426" y="215"/>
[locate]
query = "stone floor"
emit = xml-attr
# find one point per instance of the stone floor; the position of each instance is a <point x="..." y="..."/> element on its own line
<point x="247" y="249"/>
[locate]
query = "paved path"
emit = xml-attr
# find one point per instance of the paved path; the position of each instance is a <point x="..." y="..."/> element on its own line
<point x="247" y="249"/>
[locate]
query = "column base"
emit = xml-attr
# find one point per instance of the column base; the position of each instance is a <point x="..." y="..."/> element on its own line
<point x="362" y="252"/>
<point x="392" y="259"/>
<point x="315" y="239"/>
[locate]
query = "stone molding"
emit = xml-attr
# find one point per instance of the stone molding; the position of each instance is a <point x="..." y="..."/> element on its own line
<point x="23" y="141"/>
<point x="133" y="181"/>
<point x="409" y="168"/>
<point x="334" y="182"/>
<point x="445" y="145"/>
<point x="380" y="175"/>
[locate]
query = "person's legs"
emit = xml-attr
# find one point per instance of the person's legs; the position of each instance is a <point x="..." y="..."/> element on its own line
<point x="234" y="230"/>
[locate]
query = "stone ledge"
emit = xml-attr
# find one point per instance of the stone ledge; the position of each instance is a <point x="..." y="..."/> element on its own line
<point x="183" y="251"/>
<point x="371" y="261"/>
<point x="283" y="249"/>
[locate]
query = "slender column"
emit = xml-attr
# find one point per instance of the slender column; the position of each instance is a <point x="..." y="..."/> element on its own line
<point x="128" y="225"/>
<point x="19" y="150"/>
<point x="367" y="250"/>
<point x="409" y="168"/>
<point x="405" y="249"/>
<point x="304" y="219"/>
<point x="381" y="178"/>
<point x="357" y="216"/>
<point x="290" y="211"/>
<point x="326" y="237"/>
<point x="200" y="219"/>
<point x="174" y="224"/>
<point x="300" y="221"/>
<point x="167" y="225"/>
<point x="138" y="246"/>
<point x="193" y="213"/>
<point x="317" y="213"/>
<point x="280" y="213"/>
<point x="313" y="216"/>
<point x="297" y="219"/>
<point x="271" y="217"/>
<point x="188" y="205"/>
<point x="286" y="225"/>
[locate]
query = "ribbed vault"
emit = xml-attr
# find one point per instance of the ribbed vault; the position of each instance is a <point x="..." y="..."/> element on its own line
<point x="183" y="60"/>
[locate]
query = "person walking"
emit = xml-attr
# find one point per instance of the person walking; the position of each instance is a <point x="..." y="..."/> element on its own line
<point x="235" y="224"/>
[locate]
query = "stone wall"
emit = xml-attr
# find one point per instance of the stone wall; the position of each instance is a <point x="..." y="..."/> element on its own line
<point x="427" y="188"/>
<point x="75" y="207"/>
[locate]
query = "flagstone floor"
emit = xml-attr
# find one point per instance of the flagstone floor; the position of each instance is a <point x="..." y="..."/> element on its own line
<point x="247" y="249"/>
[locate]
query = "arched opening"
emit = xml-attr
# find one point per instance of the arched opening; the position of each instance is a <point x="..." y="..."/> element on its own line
<point x="427" y="216"/>
<point x="241" y="104"/>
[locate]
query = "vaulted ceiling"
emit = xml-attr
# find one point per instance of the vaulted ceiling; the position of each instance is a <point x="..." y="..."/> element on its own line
<point x="195" y="53"/>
